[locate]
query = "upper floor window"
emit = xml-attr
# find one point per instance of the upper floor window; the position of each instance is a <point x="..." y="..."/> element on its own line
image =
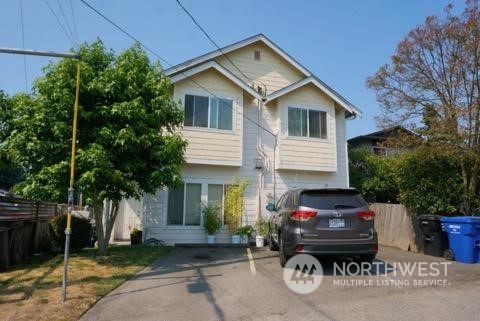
<point x="209" y="112"/>
<point x="307" y="122"/>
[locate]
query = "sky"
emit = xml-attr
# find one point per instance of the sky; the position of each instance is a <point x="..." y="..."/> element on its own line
<point x="341" y="42"/>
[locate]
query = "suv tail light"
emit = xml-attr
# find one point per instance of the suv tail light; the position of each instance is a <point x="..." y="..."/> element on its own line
<point x="302" y="215"/>
<point x="366" y="215"/>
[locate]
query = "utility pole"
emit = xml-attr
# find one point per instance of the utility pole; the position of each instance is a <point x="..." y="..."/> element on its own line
<point x="68" y="229"/>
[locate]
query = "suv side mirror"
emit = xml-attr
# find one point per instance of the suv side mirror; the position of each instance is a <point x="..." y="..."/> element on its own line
<point x="270" y="207"/>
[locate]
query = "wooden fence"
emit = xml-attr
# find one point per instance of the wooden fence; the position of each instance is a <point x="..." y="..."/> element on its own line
<point x="23" y="229"/>
<point x="395" y="227"/>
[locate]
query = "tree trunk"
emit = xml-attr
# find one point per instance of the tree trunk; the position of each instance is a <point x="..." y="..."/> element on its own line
<point x="104" y="231"/>
<point x="112" y="215"/>
<point x="102" y="242"/>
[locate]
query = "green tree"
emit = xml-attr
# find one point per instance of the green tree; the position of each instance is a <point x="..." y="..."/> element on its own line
<point x="5" y="116"/>
<point x="429" y="182"/>
<point x="9" y="172"/>
<point x="374" y="176"/>
<point x="127" y="144"/>
<point x="433" y="78"/>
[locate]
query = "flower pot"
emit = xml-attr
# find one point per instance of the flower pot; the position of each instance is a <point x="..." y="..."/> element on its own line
<point x="211" y="239"/>
<point x="136" y="238"/>
<point x="244" y="239"/>
<point x="235" y="239"/>
<point x="259" y="241"/>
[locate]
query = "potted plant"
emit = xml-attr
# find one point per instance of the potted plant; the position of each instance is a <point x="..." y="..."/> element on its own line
<point x="212" y="221"/>
<point x="135" y="236"/>
<point x="245" y="233"/>
<point x="261" y="231"/>
<point x="234" y="206"/>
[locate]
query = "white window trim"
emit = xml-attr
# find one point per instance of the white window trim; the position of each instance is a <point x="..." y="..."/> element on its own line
<point x="203" y="199"/>
<point x="235" y="104"/>
<point x="315" y="108"/>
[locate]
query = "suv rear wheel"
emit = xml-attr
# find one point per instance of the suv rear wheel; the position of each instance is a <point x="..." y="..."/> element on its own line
<point x="271" y="244"/>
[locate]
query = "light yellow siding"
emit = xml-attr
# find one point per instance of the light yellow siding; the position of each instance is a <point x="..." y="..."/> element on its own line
<point x="258" y="148"/>
<point x="213" y="146"/>
<point x="302" y="153"/>
<point x="271" y="70"/>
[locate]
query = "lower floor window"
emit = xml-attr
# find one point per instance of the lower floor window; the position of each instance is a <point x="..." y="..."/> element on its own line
<point x="216" y="195"/>
<point x="184" y="205"/>
<point x="184" y="202"/>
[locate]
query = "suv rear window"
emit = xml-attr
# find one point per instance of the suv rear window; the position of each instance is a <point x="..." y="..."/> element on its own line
<point x="330" y="200"/>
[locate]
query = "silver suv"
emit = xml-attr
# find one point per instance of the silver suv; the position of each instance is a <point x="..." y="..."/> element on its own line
<point x="326" y="221"/>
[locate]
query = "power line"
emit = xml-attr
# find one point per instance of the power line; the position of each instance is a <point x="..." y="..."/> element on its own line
<point x="170" y="65"/>
<point x="211" y="40"/>
<point x="125" y="32"/>
<point x="74" y="22"/>
<point x="23" y="45"/>
<point x="220" y="49"/>
<point x="72" y="34"/>
<point x="60" y="23"/>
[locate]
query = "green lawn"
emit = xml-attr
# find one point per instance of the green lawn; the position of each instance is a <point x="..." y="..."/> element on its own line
<point x="33" y="291"/>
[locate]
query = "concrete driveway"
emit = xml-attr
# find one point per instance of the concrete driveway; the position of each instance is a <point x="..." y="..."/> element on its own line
<point x="247" y="284"/>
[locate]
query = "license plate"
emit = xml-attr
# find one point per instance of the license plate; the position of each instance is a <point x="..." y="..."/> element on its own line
<point x="336" y="222"/>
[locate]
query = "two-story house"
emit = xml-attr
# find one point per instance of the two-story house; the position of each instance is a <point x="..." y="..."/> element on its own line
<point x="253" y="112"/>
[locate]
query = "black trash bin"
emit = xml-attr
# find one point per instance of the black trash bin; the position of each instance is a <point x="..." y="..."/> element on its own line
<point x="434" y="238"/>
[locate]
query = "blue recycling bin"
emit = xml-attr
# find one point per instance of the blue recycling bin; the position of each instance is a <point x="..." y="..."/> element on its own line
<point x="464" y="237"/>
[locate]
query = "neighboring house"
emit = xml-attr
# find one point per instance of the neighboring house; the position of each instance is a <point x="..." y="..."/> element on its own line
<point x="265" y="118"/>
<point x="378" y="142"/>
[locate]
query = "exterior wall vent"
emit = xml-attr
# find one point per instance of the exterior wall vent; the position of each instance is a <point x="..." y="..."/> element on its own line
<point x="256" y="55"/>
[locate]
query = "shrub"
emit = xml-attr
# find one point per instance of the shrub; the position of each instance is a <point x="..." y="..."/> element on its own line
<point x="261" y="226"/>
<point x="374" y="176"/>
<point x="81" y="232"/>
<point x="234" y="206"/>
<point x="246" y="230"/>
<point x="136" y="236"/>
<point x="212" y="221"/>
<point x="429" y="182"/>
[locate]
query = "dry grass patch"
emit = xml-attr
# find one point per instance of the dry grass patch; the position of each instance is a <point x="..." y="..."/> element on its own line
<point x="34" y="291"/>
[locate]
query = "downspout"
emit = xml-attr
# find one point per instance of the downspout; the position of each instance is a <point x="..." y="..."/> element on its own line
<point x="264" y="157"/>
<point x="274" y="170"/>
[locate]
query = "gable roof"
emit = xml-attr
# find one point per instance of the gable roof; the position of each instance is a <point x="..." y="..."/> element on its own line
<point x="243" y="43"/>
<point x="185" y="70"/>
<point x="322" y="86"/>
<point x="383" y="134"/>
<point x="214" y="65"/>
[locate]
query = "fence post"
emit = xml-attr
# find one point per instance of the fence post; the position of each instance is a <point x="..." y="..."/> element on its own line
<point x="4" y="249"/>
<point x="33" y="242"/>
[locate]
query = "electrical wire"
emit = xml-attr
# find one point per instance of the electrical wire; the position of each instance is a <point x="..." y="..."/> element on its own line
<point x="125" y="32"/>
<point x="211" y="40"/>
<point x="60" y="23"/>
<point x="170" y="65"/>
<point x="74" y="23"/>
<point x="72" y="33"/>
<point x="218" y="47"/>
<point x="23" y="44"/>
<point x="66" y="20"/>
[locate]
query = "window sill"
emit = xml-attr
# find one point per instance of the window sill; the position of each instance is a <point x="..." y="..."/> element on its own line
<point x="208" y="130"/>
<point x="301" y="138"/>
